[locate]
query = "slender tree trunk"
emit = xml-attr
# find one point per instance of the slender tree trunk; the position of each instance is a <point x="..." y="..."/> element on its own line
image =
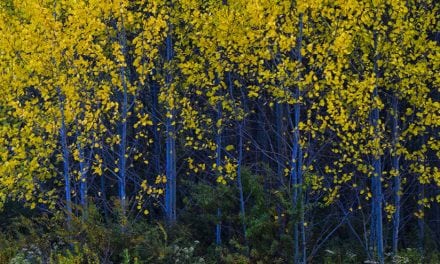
<point x="123" y="127"/>
<point x="297" y="173"/>
<point x="279" y="114"/>
<point x="302" y="206"/>
<point x="239" y="180"/>
<point x="66" y="162"/>
<point x="395" y="167"/>
<point x="261" y="142"/>
<point x="240" y="125"/>
<point x="218" y="228"/>
<point x="420" y="222"/>
<point x="104" y="198"/>
<point x="156" y="121"/>
<point x="83" y="180"/>
<point x="376" y="181"/>
<point x="170" y="192"/>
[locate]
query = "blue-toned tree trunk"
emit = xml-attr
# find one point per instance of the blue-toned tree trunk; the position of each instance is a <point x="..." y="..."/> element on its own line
<point x="376" y="182"/>
<point x="239" y="180"/>
<point x="83" y="180"/>
<point x="218" y="227"/>
<point x="66" y="162"/>
<point x="240" y="124"/>
<point x="420" y="221"/>
<point x="83" y="170"/>
<point x="395" y="167"/>
<point x="104" y="197"/>
<point x="279" y="145"/>
<point x="156" y="121"/>
<point x="279" y="114"/>
<point x="170" y="188"/>
<point x="122" y="155"/>
<point x="299" y="241"/>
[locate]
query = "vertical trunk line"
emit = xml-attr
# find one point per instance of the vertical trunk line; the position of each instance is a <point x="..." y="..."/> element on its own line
<point x="218" y="229"/>
<point x="83" y="181"/>
<point x="123" y="129"/>
<point x="280" y="173"/>
<point x="297" y="173"/>
<point x="170" y="192"/>
<point x="66" y="163"/>
<point x="377" y="174"/>
<point x="239" y="181"/>
<point x="395" y="167"/>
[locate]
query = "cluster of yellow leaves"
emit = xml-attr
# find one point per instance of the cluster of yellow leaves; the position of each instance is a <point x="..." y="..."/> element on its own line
<point x="223" y="55"/>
